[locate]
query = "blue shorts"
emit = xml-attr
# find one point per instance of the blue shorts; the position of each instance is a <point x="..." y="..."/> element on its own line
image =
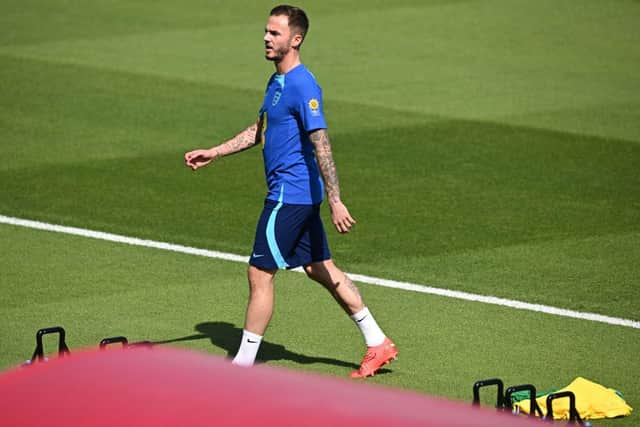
<point x="288" y="236"/>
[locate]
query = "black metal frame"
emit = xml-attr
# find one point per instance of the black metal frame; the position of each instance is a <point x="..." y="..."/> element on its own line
<point x="503" y="401"/>
<point x="38" y="354"/>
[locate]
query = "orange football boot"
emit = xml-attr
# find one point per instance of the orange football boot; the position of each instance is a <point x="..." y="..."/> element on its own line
<point x="375" y="358"/>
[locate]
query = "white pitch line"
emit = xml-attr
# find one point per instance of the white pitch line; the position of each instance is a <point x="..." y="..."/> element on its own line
<point x="357" y="277"/>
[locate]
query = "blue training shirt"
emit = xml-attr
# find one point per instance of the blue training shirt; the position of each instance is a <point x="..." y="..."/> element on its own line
<point x="292" y="108"/>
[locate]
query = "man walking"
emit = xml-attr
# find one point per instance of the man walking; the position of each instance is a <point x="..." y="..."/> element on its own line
<point x="299" y="169"/>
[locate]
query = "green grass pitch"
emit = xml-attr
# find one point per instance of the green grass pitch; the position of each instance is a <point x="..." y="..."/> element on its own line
<point x="486" y="146"/>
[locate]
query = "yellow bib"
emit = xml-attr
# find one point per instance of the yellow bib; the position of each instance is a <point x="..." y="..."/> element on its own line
<point x="593" y="401"/>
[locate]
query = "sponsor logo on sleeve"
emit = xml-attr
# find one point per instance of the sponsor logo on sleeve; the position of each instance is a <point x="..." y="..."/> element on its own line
<point x="314" y="107"/>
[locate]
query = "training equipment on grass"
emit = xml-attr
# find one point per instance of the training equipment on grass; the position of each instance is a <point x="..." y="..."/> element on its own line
<point x="113" y="340"/>
<point x="38" y="353"/>
<point x="573" y="413"/>
<point x="63" y="349"/>
<point x="592" y="401"/>
<point x="533" y="408"/>
<point x="505" y="402"/>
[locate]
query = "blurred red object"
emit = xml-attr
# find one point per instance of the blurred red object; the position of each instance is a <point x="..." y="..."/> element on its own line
<point x="163" y="386"/>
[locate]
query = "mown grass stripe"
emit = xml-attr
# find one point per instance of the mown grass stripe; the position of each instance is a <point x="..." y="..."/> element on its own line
<point x="520" y="305"/>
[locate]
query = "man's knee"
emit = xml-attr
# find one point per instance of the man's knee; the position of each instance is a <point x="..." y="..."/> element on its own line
<point x="259" y="278"/>
<point x="310" y="270"/>
<point x="317" y="271"/>
<point x="324" y="272"/>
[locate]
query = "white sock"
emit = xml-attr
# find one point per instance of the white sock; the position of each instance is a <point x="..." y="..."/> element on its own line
<point x="371" y="332"/>
<point x="248" y="349"/>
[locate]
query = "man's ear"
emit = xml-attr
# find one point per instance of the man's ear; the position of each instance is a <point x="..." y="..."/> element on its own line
<point x="296" y="41"/>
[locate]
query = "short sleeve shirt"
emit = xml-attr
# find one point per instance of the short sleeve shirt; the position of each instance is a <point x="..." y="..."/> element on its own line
<point x="292" y="108"/>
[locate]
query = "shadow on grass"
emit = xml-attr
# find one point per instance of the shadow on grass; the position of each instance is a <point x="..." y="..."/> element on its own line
<point x="226" y="336"/>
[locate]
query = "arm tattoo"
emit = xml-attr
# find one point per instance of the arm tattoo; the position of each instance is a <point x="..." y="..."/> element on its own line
<point x="242" y="141"/>
<point x="324" y="157"/>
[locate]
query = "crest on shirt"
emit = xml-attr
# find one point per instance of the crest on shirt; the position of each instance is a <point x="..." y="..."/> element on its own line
<point x="276" y="98"/>
<point x="314" y="106"/>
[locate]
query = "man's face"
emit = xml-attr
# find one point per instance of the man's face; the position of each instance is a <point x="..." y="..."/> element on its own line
<point x="278" y="39"/>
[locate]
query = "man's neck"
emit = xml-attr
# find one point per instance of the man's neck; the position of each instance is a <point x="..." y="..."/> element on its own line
<point x="288" y="63"/>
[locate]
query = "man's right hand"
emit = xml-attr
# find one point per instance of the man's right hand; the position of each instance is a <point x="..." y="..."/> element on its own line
<point x="199" y="158"/>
